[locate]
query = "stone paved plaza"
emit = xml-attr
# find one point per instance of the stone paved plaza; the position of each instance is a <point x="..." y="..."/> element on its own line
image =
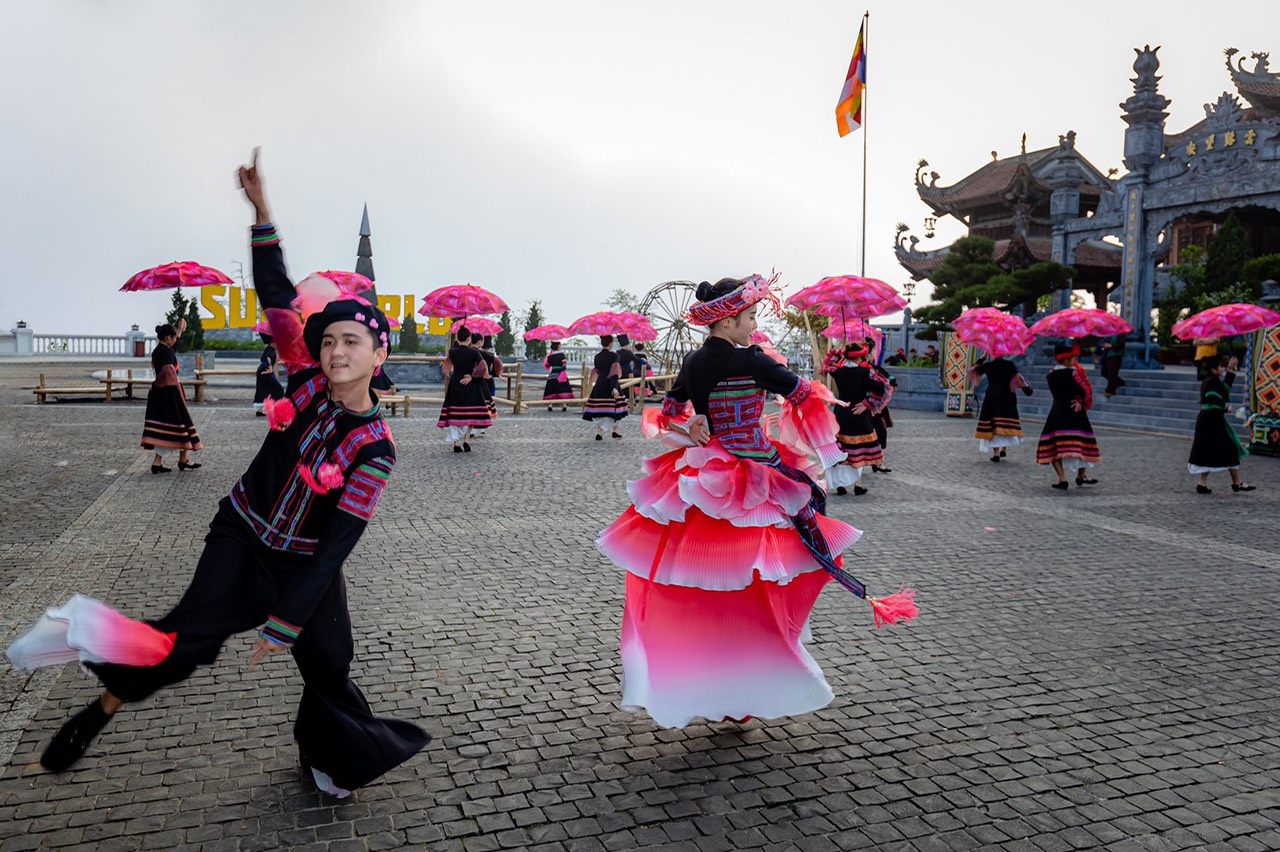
<point x="1094" y="669"/>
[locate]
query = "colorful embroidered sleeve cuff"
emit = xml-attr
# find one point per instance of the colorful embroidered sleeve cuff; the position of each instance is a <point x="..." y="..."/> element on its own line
<point x="364" y="488"/>
<point x="280" y="632"/>
<point x="263" y="235"/>
<point x="801" y="393"/>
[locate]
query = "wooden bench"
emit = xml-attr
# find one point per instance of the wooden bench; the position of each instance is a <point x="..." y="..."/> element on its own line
<point x="127" y="382"/>
<point x="200" y="381"/>
<point x="43" y="391"/>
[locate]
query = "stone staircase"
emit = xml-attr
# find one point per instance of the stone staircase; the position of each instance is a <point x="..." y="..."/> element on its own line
<point x="1153" y="400"/>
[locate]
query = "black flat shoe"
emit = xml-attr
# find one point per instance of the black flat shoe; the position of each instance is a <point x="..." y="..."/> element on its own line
<point x="841" y="490"/>
<point x="1085" y="480"/>
<point x="159" y="468"/>
<point x="1003" y="453"/>
<point x="884" y="470"/>
<point x="858" y="490"/>
<point x="189" y="465"/>
<point x="614" y="435"/>
<point x="599" y="437"/>
<point x="457" y="449"/>
<point x="70" y="743"/>
<point x="1243" y="487"/>
<point x="1200" y="489"/>
<point x="995" y="458"/>
<point x="466" y="448"/>
<point x="1061" y="486"/>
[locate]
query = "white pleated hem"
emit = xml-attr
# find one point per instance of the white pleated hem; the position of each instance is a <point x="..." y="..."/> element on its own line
<point x="842" y="476"/>
<point x="997" y="442"/>
<point x="1196" y="470"/>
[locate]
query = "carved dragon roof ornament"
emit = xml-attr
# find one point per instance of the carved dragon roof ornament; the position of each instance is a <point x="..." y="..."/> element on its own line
<point x="1261" y="86"/>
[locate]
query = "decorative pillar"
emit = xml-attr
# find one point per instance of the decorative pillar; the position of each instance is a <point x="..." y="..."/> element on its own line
<point x="1064" y="205"/>
<point x="1145" y="114"/>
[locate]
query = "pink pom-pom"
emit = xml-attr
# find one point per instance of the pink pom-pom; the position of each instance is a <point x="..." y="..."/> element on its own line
<point x="330" y="476"/>
<point x="359" y="317"/>
<point x="899" y="606"/>
<point x="280" y="413"/>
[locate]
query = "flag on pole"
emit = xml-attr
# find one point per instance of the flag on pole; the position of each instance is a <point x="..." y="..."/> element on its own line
<point x="849" y="109"/>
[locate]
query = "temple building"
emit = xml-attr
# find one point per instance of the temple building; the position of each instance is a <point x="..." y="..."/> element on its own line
<point x="1121" y="234"/>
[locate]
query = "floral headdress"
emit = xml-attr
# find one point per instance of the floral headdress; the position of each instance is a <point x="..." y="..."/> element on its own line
<point x="755" y="288"/>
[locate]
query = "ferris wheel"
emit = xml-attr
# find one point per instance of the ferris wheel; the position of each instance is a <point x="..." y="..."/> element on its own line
<point x="665" y="305"/>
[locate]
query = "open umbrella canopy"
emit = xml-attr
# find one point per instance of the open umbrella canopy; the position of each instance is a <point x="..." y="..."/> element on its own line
<point x="603" y="322"/>
<point x="185" y="273"/>
<point x="847" y="296"/>
<point x="547" y="332"/>
<point x="853" y="329"/>
<point x="348" y="282"/>
<point x="1081" y="322"/>
<point x="461" y="300"/>
<point x="481" y="325"/>
<point x="993" y="331"/>
<point x="1225" y="321"/>
<point x="263" y="327"/>
<point x="759" y="337"/>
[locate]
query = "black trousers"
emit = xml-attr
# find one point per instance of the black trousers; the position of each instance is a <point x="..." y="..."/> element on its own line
<point x="1111" y="369"/>
<point x="236" y="582"/>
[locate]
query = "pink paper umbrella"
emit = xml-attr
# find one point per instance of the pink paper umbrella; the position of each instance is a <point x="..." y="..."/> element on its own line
<point x="461" y="300"/>
<point x="263" y="327"/>
<point x="854" y="329"/>
<point x="1226" y="321"/>
<point x="185" y="273"/>
<point x="993" y="331"/>
<point x="348" y="282"/>
<point x="602" y="322"/>
<point x="481" y="325"/>
<point x="393" y="323"/>
<point x="759" y="337"/>
<point x="547" y="332"/>
<point x="1081" y="322"/>
<point x="848" y="297"/>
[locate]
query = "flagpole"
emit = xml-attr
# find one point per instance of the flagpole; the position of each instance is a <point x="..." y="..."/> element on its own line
<point x="866" y="43"/>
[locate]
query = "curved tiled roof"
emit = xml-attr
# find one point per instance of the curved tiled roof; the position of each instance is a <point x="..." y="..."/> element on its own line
<point x="1089" y="255"/>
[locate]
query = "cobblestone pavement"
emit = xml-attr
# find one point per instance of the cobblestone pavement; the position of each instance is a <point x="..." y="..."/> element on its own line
<point x="1091" y="669"/>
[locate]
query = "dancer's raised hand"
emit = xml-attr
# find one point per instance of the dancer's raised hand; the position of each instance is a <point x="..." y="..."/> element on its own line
<point x="251" y="182"/>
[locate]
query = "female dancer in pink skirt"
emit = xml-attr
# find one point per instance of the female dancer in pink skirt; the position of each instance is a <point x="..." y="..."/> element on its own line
<point x="726" y="546"/>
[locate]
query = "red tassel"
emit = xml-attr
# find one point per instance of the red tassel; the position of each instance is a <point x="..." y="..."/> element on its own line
<point x="280" y="412"/>
<point x="899" y="606"/>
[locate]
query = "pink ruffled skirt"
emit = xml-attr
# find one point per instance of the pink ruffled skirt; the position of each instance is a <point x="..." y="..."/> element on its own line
<point x="719" y="590"/>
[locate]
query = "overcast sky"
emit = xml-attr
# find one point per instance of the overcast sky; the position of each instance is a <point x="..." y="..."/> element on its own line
<point x="550" y="150"/>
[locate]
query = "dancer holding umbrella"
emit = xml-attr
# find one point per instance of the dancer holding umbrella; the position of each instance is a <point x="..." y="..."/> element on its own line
<point x="1068" y="437"/>
<point x="1216" y="446"/>
<point x="606" y="401"/>
<point x="465" y="407"/>
<point x="465" y="404"/>
<point x="556" y="362"/>
<point x="999" y="335"/>
<point x="167" y="425"/>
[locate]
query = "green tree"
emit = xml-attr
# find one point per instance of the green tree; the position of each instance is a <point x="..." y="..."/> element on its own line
<point x="189" y="309"/>
<point x="193" y="338"/>
<point x="969" y="277"/>
<point x="534" y="349"/>
<point x="622" y="300"/>
<point x="1227" y="255"/>
<point x="1263" y="268"/>
<point x="505" y="343"/>
<point x="409" y="341"/>
<point x="1186" y="285"/>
